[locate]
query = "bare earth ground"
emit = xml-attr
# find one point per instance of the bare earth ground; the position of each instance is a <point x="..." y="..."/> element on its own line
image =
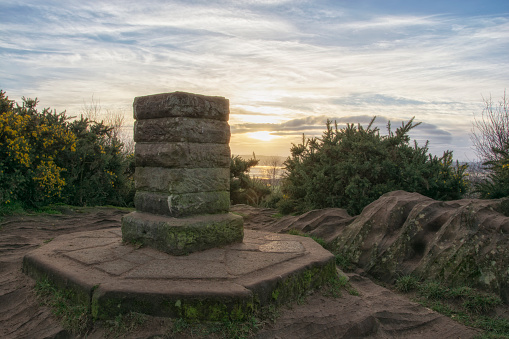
<point x="375" y="313"/>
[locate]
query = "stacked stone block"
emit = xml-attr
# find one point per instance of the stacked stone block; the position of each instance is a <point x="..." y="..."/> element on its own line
<point x="182" y="158"/>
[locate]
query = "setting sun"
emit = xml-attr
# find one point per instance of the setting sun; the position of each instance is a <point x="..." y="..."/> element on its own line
<point x="262" y="135"/>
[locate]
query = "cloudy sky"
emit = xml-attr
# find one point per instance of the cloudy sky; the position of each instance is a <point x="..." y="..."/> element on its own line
<point x="286" y="66"/>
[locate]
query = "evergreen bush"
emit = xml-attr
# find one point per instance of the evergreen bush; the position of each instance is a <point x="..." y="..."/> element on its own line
<point x="243" y="188"/>
<point x="45" y="158"/>
<point x="496" y="183"/>
<point x="353" y="166"/>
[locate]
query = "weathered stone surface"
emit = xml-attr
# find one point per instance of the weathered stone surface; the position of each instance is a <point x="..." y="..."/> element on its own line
<point x="181" y="104"/>
<point x="326" y="224"/>
<point x="182" y="155"/>
<point x="180" y="205"/>
<point x="182" y="160"/>
<point x="373" y="312"/>
<point x="229" y="282"/>
<point x="462" y="242"/>
<point x="182" y="130"/>
<point x="459" y="242"/>
<point x="182" y="180"/>
<point x="180" y="236"/>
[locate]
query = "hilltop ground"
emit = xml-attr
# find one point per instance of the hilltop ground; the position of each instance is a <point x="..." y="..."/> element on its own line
<point x="375" y="312"/>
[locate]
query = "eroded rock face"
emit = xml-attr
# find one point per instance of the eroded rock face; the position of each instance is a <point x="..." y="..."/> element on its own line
<point x="458" y="242"/>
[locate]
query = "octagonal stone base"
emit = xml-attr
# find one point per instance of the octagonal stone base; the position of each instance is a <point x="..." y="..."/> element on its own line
<point x="181" y="236"/>
<point x="110" y="277"/>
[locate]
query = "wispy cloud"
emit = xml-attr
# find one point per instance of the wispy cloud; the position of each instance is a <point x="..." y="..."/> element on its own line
<point x="285" y="65"/>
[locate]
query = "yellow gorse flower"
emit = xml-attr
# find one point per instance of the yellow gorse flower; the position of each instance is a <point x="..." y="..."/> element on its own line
<point x="48" y="179"/>
<point x="33" y="143"/>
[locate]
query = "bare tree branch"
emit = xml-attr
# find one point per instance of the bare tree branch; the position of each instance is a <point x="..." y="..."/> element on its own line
<point x="490" y="131"/>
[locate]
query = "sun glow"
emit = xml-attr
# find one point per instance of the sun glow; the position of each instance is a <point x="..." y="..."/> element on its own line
<point x="262" y="135"/>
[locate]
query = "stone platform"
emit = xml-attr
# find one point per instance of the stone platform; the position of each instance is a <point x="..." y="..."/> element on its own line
<point x="233" y="281"/>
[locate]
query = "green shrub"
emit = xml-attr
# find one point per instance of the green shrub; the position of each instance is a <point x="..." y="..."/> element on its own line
<point x="99" y="172"/>
<point x="243" y="188"/>
<point x="496" y="184"/>
<point x="32" y="145"/>
<point x="45" y="158"/>
<point x="273" y="199"/>
<point x="353" y="166"/>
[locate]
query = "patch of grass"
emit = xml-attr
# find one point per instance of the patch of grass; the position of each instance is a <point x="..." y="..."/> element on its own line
<point x="460" y="292"/>
<point x="120" y="208"/>
<point x="439" y="307"/>
<point x="481" y="303"/>
<point x="344" y="263"/>
<point x="179" y="326"/>
<point x="245" y="329"/>
<point x="463" y="304"/>
<point x="269" y="313"/>
<point x="17" y="208"/>
<point x="47" y="210"/>
<point x="74" y="316"/>
<point x="320" y="241"/>
<point x="432" y="290"/>
<point x="124" y="324"/>
<point x="352" y="291"/>
<point x="302" y="234"/>
<point x="222" y="329"/>
<point x="334" y="287"/>
<point x="407" y="283"/>
<point x="11" y="209"/>
<point x="296" y="232"/>
<point x="495" y="327"/>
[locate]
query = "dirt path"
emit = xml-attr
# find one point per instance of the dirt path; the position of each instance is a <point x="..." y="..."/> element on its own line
<point x="375" y="313"/>
<point x="21" y="316"/>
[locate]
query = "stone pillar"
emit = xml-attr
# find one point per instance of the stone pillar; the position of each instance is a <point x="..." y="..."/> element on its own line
<point x="182" y="177"/>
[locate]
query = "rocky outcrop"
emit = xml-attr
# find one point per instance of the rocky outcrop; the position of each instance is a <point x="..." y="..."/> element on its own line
<point x="457" y="242"/>
<point x="326" y="223"/>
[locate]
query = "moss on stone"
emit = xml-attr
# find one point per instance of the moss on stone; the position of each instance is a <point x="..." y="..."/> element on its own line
<point x="181" y="236"/>
<point x="290" y="288"/>
<point x="79" y="295"/>
<point x="297" y="285"/>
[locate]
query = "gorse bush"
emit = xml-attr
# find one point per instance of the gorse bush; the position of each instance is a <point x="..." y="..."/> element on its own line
<point x="243" y="188"/>
<point x="32" y="144"/>
<point x="45" y="158"/>
<point x="353" y="166"/>
<point x="98" y="172"/>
